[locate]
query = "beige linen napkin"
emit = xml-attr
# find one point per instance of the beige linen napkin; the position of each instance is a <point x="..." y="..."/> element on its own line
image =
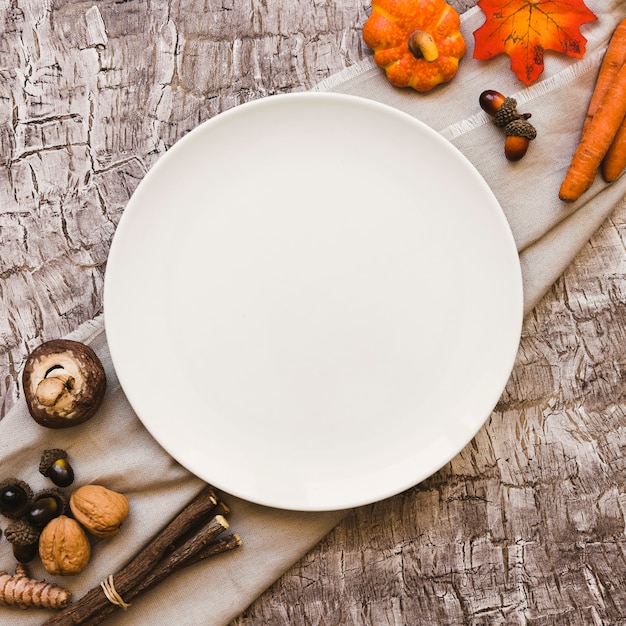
<point x="114" y="449"/>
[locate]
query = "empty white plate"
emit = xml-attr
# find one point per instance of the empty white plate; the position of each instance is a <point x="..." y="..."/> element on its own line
<point x="313" y="301"/>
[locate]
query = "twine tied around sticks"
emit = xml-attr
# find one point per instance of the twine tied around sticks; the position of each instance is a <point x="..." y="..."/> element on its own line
<point x="108" y="586"/>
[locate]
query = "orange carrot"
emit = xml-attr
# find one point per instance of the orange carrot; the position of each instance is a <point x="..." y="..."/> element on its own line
<point x="596" y="140"/>
<point x="614" y="58"/>
<point x="615" y="159"/>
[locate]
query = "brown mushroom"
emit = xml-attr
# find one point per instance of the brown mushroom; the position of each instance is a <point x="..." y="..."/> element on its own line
<point x="64" y="383"/>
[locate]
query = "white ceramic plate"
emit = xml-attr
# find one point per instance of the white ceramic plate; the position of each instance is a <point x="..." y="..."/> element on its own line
<point x="313" y="301"/>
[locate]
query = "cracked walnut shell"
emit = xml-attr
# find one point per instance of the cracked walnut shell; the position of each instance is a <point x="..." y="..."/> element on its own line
<point x="100" y="510"/>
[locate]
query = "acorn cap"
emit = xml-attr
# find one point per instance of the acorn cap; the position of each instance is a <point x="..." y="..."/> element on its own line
<point x="22" y="533"/>
<point x="48" y="457"/>
<point x="52" y="492"/>
<point x="506" y="113"/>
<point x="521" y="128"/>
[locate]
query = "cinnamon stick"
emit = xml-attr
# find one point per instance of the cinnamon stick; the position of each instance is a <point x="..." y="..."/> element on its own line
<point x="139" y="567"/>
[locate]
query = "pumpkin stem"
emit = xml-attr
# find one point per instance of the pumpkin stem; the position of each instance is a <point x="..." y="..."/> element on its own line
<point x="422" y="46"/>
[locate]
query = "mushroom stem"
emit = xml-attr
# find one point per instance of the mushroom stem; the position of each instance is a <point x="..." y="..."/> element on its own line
<point x="49" y="390"/>
<point x="423" y="46"/>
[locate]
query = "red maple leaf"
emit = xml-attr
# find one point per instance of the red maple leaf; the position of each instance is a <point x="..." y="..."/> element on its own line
<point x="525" y="29"/>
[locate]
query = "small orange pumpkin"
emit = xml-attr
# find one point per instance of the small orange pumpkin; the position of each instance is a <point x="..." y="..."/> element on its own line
<point x="417" y="42"/>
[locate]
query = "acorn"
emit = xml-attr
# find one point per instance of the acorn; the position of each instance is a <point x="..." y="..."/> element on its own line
<point x="23" y="537"/>
<point x="25" y="553"/>
<point x="45" y="506"/>
<point x="56" y="467"/>
<point x="15" y="497"/>
<point x="519" y="134"/>
<point x="491" y="101"/>
<point x="519" y="131"/>
<point x="503" y="109"/>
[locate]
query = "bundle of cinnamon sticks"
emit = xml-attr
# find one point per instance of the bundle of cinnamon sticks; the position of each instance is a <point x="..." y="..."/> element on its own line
<point x="192" y="536"/>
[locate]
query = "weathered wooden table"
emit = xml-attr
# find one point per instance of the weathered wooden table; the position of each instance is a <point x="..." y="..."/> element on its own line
<point x="526" y="525"/>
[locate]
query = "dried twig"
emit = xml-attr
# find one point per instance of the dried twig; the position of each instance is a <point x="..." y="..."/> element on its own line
<point x="173" y="562"/>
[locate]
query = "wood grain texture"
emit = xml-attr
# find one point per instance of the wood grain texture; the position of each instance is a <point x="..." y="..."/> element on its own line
<point x="526" y="525"/>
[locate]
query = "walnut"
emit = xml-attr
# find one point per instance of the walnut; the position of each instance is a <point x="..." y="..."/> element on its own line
<point x="64" y="548"/>
<point x="100" y="510"/>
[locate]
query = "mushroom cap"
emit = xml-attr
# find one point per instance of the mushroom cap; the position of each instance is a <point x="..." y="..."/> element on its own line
<point x="64" y="383"/>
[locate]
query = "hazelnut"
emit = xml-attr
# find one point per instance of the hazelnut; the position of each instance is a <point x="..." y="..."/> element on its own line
<point x="64" y="548"/>
<point x="64" y="383"/>
<point x="100" y="510"/>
